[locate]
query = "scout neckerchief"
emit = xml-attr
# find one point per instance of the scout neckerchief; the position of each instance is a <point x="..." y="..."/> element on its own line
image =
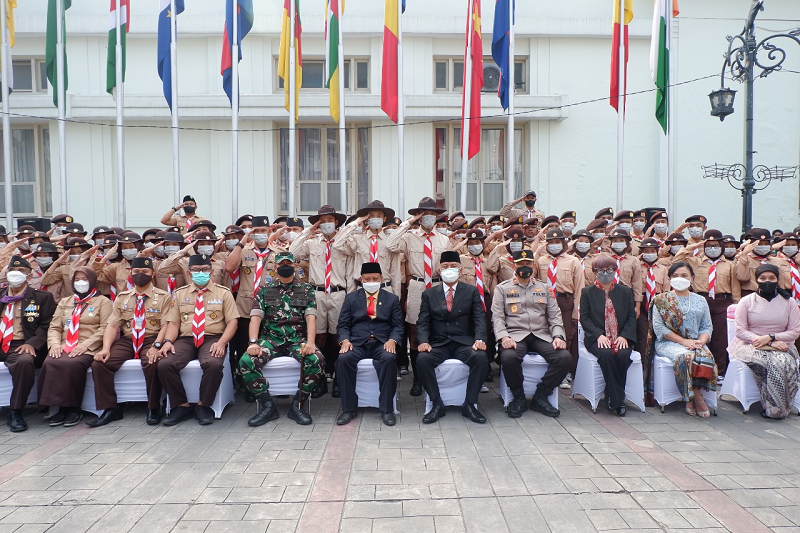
<point x="199" y="321"/>
<point x="75" y="322"/>
<point x="138" y="326"/>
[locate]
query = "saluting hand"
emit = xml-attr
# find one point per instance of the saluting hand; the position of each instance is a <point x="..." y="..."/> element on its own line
<point x="779" y="245"/>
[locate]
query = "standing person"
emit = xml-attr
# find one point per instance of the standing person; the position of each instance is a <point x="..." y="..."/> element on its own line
<point x="60" y="222"/>
<point x="659" y="224"/>
<point x="567" y="222"/>
<point x="473" y="272"/>
<point x="422" y="249"/>
<point x="624" y="220"/>
<point x="172" y="245"/>
<point x="74" y="336"/>
<point x="199" y="326"/>
<point x="118" y="274"/>
<point x="452" y="325"/>
<point x="186" y="221"/>
<point x="628" y="272"/>
<point x="135" y="330"/>
<point x="639" y="223"/>
<point x="672" y="245"/>
<point x="755" y="254"/>
<point x="581" y="248"/>
<point x="508" y="210"/>
<point x="608" y="320"/>
<point x="500" y="263"/>
<point x="597" y="228"/>
<point x="203" y="243"/>
<point x="696" y="225"/>
<point x="655" y="280"/>
<point x="606" y="213"/>
<point x="26" y="313"/>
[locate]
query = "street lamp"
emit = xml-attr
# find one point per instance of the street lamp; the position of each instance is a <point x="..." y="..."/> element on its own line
<point x="741" y="61"/>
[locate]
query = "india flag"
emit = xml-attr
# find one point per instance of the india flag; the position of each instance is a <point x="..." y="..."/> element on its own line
<point x="111" y="62"/>
<point x="663" y="13"/>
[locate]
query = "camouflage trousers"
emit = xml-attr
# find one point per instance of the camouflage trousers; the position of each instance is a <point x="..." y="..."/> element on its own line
<point x="250" y="366"/>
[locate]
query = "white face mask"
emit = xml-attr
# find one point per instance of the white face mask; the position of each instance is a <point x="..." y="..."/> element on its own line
<point x="680" y="284"/>
<point x="73" y="257"/>
<point x="790" y="250"/>
<point x="24" y="246"/>
<point x="762" y="249"/>
<point x="129" y="253"/>
<point x="206" y="249"/>
<point x="626" y="226"/>
<point x="159" y="252"/>
<point x="15" y="279"/>
<point x="34" y="247"/>
<point x="44" y="261"/>
<point x="358" y="230"/>
<point x="443" y="231"/>
<point x="713" y="252"/>
<point x="148" y="244"/>
<point x="475" y="249"/>
<point x="599" y="236"/>
<point x="639" y="226"/>
<point x="567" y="227"/>
<point x="99" y="241"/>
<point x="327" y="228"/>
<point x="261" y="239"/>
<point x="291" y="236"/>
<point x="695" y="233"/>
<point x="515" y="246"/>
<point x="555" y="249"/>
<point x="650" y="258"/>
<point x="675" y="248"/>
<point x="582" y="247"/>
<point x="3" y="244"/>
<point x="427" y="221"/>
<point x="81" y="286"/>
<point x="169" y="250"/>
<point x="388" y="232"/>
<point x="660" y="228"/>
<point x="230" y="244"/>
<point x="375" y="223"/>
<point x="495" y="229"/>
<point x="58" y="230"/>
<point x="372" y="286"/>
<point x="619" y="247"/>
<point x="113" y="256"/>
<point x="450" y="275"/>
<point x="730" y="252"/>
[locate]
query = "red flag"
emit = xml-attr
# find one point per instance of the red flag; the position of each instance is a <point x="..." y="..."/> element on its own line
<point x="474" y="112"/>
<point x="618" y="34"/>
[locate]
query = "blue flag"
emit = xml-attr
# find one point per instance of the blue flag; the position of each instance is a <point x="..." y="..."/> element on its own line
<point x="500" y="44"/>
<point x="164" y="42"/>
<point x="245" y="24"/>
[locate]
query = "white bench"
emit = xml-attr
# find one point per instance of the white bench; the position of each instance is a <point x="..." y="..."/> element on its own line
<point x="7" y="387"/>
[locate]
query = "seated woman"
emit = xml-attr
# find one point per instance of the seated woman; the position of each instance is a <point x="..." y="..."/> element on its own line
<point x="608" y="319"/>
<point x="767" y="324"/>
<point x="680" y="330"/>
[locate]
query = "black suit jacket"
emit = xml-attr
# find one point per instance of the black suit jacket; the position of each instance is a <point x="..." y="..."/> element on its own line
<point x="465" y="324"/>
<point x="40" y="307"/>
<point x="593" y="313"/>
<point x="356" y="326"/>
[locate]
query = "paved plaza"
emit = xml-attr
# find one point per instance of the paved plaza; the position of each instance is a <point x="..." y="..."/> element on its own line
<point x="580" y="472"/>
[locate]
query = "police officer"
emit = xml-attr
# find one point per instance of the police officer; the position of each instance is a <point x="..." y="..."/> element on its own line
<point x="282" y="324"/>
<point x="185" y="222"/>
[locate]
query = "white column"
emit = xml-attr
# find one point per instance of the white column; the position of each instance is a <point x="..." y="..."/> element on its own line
<point x="120" y="118"/>
<point x="176" y="155"/>
<point x="6" y="55"/>
<point x="401" y="116"/>
<point x="466" y="110"/>
<point x="292" y="106"/>
<point x="342" y="123"/>
<point x="235" y="113"/>
<point x="621" y="107"/>
<point x="62" y="103"/>
<point x="511" y="160"/>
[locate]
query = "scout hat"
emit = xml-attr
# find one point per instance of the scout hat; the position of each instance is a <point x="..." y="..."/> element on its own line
<point x="605" y="212"/>
<point x="375" y="205"/>
<point x="583" y="233"/>
<point x="696" y="218"/>
<point x="624" y="215"/>
<point x="676" y="237"/>
<point x="244" y="218"/>
<point x="715" y="235"/>
<point x="555" y="233"/>
<point x="328" y="210"/>
<point x="17" y="262"/>
<point x="142" y="262"/>
<point x="62" y="219"/>
<point x="260" y="221"/>
<point x="620" y="233"/>
<point x="426" y="204"/>
<point x="475" y="234"/>
<point x="294" y="222"/>
<point x="199" y="259"/>
<point x="567" y="214"/>
<point x="476" y="221"/>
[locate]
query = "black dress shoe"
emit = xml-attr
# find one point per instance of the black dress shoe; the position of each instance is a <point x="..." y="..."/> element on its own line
<point x="153" y="417"/>
<point x="109" y="415"/>
<point x="73" y="417"/>
<point x="345" y="418"/>
<point x="204" y="415"/>
<point x="335" y="392"/>
<point x="489" y="377"/>
<point x="608" y="403"/>
<point x="436" y="412"/>
<point x="178" y="415"/>
<point x="321" y="390"/>
<point x="416" y="389"/>
<point x="389" y="419"/>
<point x="470" y="411"/>
<point x="16" y="422"/>
<point x="621" y="410"/>
<point x="58" y="418"/>
<point x="541" y="404"/>
<point x="268" y="412"/>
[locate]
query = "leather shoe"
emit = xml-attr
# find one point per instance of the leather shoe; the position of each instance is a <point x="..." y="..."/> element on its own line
<point x="58" y="418"/>
<point x="153" y="417"/>
<point x="470" y="411"/>
<point x="204" y="415"/>
<point x="608" y="403"/>
<point x="16" y="422"/>
<point x="109" y="415"/>
<point x="621" y="410"/>
<point x="178" y="415"/>
<point x="297" y="410"/>
<point x="73" y="417"/>
<point x="389" y="419"/>
<point x="436" y="412"/>
<point x="321" y="390"/>
<point x="335" y="392"/>
<point x="541" y="404"/>
<point x="268" y="412"/>
<point x="345" y="418"/>
<point x="416" y="389"/>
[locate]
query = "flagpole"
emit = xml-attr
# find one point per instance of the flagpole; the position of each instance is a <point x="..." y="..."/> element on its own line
<point x="342" y="124"/>
<point x="467" y="107"/>
<point x="120" y="118"/>
<point x="173" y="64"/>
<point x="671" y="192"/>
<point x="6" y="51"/>
<point x="401" y="113"/>
<point x="61" y="100"/>
<point x="621" y="106"/>
<point x="292" y="106"/>
<point x="511" y="164"/>
<point x="235" y="112"/>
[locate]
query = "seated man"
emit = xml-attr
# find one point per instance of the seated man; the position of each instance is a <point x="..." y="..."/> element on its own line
<point x="452" y="325"/>
<point x="371" y="327"/>
<point x="283" y="322"/>
<point x="527" y="318"/>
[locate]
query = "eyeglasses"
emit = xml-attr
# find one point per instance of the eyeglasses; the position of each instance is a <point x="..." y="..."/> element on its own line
<point x="608" y="271"/>
<point x="206" y="270"/>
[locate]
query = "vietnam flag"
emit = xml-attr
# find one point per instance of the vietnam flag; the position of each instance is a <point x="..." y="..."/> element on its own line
<point x="618" y="34"/>
<point x="283" y="59"/>
<point x="389" y="75"/>
<point x="474" y="112"/>
<point x="243" y="26"/>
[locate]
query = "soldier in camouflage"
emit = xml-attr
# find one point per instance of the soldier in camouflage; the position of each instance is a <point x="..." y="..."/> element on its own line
<point x="289" y="330"/>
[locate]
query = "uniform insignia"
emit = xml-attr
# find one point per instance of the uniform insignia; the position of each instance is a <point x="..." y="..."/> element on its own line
<point x="538" y="289"/>
<point x="30" y="319"/>
<point x="247" y="269"/>
<point x="540" y="300"/>
<point x="185" y="317"/>
<point x="213" y="316"/>
<point x="514" y="308"/>
<point x="154" y="322"/>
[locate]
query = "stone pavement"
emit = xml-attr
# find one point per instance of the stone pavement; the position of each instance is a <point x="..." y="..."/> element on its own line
<point x="580" y="472"/>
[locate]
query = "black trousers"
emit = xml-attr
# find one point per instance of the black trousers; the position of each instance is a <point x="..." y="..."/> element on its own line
<point x="718" y="344"/>
<point x="475" y="359"/>
<point x="385" y="364"/>
<point x="615" y="371"/>
<point x="558" y="362"/>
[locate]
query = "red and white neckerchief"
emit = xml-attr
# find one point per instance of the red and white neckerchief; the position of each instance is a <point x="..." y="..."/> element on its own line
<point x="199" y="321"/>
<point x="479" y="279"/>
<point x="650" y="283"/>
<point x="531" y="213"/>
<point x="618" y="259"/>
<point x="75" y="322"/>
<point x="189" y="224"/>
<point x="552" y="272"/>
<point x="113" y="292"/>
<point x="235" y="281"/>
<point x="373" y="249"/>
<point x="795" y="275"/>
<point x="262" y="260"/>
<point x="172" y="284"/>
<point x="328" y="267"/>
<point x="7" y="327"/>
<point x="712" y="277"/>
<point x="129" y="282"/>
<point x="138" y="326"/>
<point x="428" y="260"/>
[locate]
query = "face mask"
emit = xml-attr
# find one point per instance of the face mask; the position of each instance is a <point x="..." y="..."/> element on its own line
<point x="327" y="228"/>
<point x="375" y="223"/>
<point x="730" y="252"/>
<point x="81" y="286"/>
<point x="599" y="236"/>
<point x="58" y="230"/>
<point x="762" y="249"/>
<point x="582" y="247"/>
<point x="261" y="239"/>
<point x="450" y="275"/>
<point x="515" y="246"/>
<point x="113" y="256"/>
<point x="99" y="241"/>
<point x="767" y="287"/>
<point x="567" y="227"/>
<point x="24" y="246"/>
<point x="230" y="244"/>
<point x="639" y="226"/>
<point x="619" y="247"/>
<point x="130" y="253"/>
<point x="371" y="287"/>
<point x="73" y="257"/>
<point x="169" y="250"/>
<point x="443" y="231"/>
<point x="201" y="278"/>
<point x="524" y="272"/>
<point x="695" y="233"/>
<point x="16" y="279"/>
<point x="427" y="221"/>
<point x="605" y="278"/>
<point x="291" y="236"/>
<point x="530" y="203"/>
<point x="680" y="284"/>
<point x="660" y="228"/>
<point x="159" y="252"/>
<point x="285" y="271"/>
<point x="248" y="230"/>
<point x="713" y="252"/>
<point x="555" y="249"/>
<point x="206" y="249"/>
<point x="189" y="210"/>
<point x="495" y="229"/>
<point x="44" y="261"/>
<point x="34" y="247"/>
<point x="675" y="248"/>
<point x="627" y="227"/>
<point x="3" y="244"/>
<point x="650" y="258"/>
<point x="475" y="249"/>
<point x="148" y="244"/>
<point x="388" y="231"/>
<point x="141" y="280"/>
<point x="790" y="250"/>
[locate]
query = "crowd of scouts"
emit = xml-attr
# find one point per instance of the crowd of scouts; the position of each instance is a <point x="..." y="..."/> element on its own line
<point x="403" y="293"/>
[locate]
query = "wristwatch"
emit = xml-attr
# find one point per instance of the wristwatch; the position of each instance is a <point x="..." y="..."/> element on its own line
<point x="166" y="341"/>
<point x="253" y="341"/>
<point x="559" y="337"/>
<point x="158" y="345"/>
<point x="772" y="337"/>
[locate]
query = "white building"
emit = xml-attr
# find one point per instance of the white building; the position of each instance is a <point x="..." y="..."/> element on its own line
<point x="566" y="152"/>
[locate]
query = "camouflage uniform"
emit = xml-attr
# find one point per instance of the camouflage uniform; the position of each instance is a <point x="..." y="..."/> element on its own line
<point x="283" y="309"/>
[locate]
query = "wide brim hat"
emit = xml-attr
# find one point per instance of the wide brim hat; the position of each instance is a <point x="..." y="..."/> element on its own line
<point x="375" y="205"/>
<point x="620" y="234"/>
<point x="328" y="210"/>
<point x="426" y="204"/>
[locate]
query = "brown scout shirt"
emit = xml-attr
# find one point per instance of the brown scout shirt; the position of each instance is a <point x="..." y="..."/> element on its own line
<point x="312" y="248"/>
<point x="156" y="305"/>
<point x="247" y="272"/>
<point x="113" y="273"/>
<point x="219" y="306"/>
<point x="180" y="221"/>
<point x="726" y="280"/>
<point x="570" y="278"/>
<point x="94" y="318"/>
<point x="746" y="271"/>
<point x="356" y="246"/>
<point x="412" y="244"/>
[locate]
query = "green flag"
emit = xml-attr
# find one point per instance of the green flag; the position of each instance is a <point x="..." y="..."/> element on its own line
<point x="111" y="63"/>
<point x="50" y="52"/>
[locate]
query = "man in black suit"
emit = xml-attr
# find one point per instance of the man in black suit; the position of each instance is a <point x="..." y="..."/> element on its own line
<point x="370" y="327"/>
<point x="452" y="325"/>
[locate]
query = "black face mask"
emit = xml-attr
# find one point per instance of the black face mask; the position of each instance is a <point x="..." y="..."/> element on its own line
<point x="530" y="203"/>
<point x="524" y="272"/>
<point x="140" y="279"/>
<point x="285" y="271"/>
<point x="189" y="210"/>
<point x="767" y="289"/>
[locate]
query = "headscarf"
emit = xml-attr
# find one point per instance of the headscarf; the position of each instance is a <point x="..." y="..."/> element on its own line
<point x="768" y="267"/>
<point x="90" y="276"/>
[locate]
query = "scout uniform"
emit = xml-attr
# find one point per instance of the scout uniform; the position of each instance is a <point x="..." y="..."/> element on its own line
<point x="698" y="235"/>
<point x="499" y="263"/>
<point x="674" y="239"/>
<point x="587" y="258"/>
<point x="473" y="272"/>
<point x="655" y="280"/>
<point x="509" y="210"/>
<point x="637" y="235"/>
<point x="117" y="275"/>
<point x="625" y="220"/>
<point x="178" y="263"/>
<point x="170" y="281"/>
<point x="747" y="264"/>
<point x="185" y="223"/>
<point x="629" y="272"/>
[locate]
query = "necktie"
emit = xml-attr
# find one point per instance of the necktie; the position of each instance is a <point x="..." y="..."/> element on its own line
<point x="172" y="284"/>
<point x="262" y="259"/>
<point x="138" y="327"/>
<point x="712" y="278"/>
<point x="7" y="327"/>
<point x="479" y="279"/>
<point x="373" y="249"/>
<point x="551" y="277"/>
<point x="449" y="299"/>
<point x="428" y="260"/>
<point x="651" y="284"/>
<point x="235" y="281"/>
<point x="73" y="328"/>
<point x="618" y="258"/>
<point x="371" y="306"/>
<point x="199" y="322"/>
<point x="795" y="281"/>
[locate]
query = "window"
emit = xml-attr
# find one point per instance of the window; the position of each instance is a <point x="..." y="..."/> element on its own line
<point x="30" y="75"/>
<point x="449" y="75"/>
<point x="318" y="181"/>
<point x="487" y="187"/>
<point x="355" y="72"/>
<point x="31" y="188"/>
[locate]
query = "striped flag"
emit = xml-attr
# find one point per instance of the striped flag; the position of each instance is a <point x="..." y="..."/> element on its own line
<point x="10" y="36"/>
<point x="663" y="14"/>
<point x="332" y="53"/>
<point x="283" y="60"/>
<point x="620" y="34"/>
<point x="474" y="112"/>
<point x="164" y="43"/>
<point x="243" y="27"/>
<point x="124" y="26"/>
<point x="389" y="73"/>
<point x="50" y="45"/>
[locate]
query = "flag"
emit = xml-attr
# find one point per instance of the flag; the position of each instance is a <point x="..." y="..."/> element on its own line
<point x="619" y="34"/>
<point x="164" y="42"/>
<point x="389" y="73"/>
<point x="244" y="25"/>
<point x="124" y="26"/>
<point x="332" y="53"/>
<point x="663" y="13"/>
<point x="10" y="35"/>
<point x="474" y="112"/>
<point x="50" y="45"/>
<point x="283" y="60"/>
<point x="500" y="47"/>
